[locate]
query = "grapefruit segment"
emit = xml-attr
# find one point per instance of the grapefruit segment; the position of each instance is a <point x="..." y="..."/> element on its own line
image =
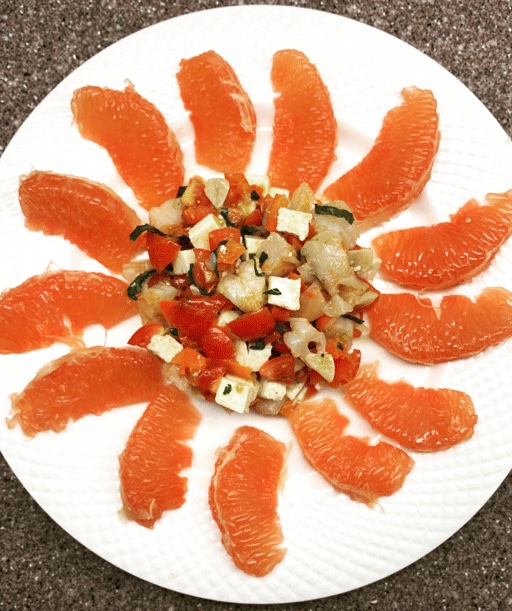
<point x="412" y="329"/>
<point x="88" y="214"/>
<point x="154" y="456"/>
<point x="305" y="128"/>
<point x="134" y="132"/>
<point x="221" y="112"/>
<point x="364" y="472"/>
<point x="399" y="164"/>
<point x="243" y="499"/>
<point x="420" y="419"/>
<point x="58" y="306"/>
<point x="443" y="255"/>
<point x="88" y="381"/>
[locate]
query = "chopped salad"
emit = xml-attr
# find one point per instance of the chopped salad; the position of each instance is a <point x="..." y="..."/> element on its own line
<point x="250" y="294"/>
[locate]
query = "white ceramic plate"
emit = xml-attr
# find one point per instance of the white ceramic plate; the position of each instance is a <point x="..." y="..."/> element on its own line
<point x="334" y="544"/>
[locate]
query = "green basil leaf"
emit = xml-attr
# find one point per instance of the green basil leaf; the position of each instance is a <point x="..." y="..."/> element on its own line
<point x="135" y="287"/>
<point x="340" y="213"/>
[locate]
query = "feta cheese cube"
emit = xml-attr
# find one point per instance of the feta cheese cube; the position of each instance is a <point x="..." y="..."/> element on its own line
<point x="259" y="181"/>
<point x="236" y="393"/>
<point x="164" y="346"/>
<point x="287" y="292"/>
<point x="184" y="259"/>
<point x="252" y="244"/>
<point x="294" y="221"/>
<point x="199" y="233"/>
<point x="322" y="363"/>
<point x="249" y="357"/>
<point x="274" y="391"/>
<point x="276" y="191"/>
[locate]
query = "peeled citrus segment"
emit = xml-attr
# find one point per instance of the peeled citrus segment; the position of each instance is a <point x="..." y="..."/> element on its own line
<point x="88" y="381"/>
<point x="56" y="307"/>
<point x="413" y="330"/>
<point x="420" y="419"/>
<point x="447" y="254"/>
<point x="243" y="500"/>
<point x="134" y="132"/>
<point x="399" y="164"/>
<point x="364" y="472"/>
<point x="305" y="128"/>
<point x="88" y="214"/>
<point x="221" y="112"/>
<point x="155" y="455"/>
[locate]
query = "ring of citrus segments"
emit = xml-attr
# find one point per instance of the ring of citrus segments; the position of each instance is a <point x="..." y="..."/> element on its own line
<point x="95" y="510"/>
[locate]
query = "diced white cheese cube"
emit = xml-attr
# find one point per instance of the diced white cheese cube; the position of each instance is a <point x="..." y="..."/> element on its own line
<point x="226" y="317"/>
<point x="276" y="191"/>
<point x="252" y="244"/>
<point x="199" y="233"/>
<point x="293" y="390"/>
<point x="272" y="390"/>
<point x="184" y="259"/>
<point x="322" y="363"/>
<point x="216" y="190"/>
<point x="164" y="346"/>
<point x="236" y="393"/>
<point x="259" y="181"/>
<point x="294" y="221"/>
<point x="284" y="292"/>
<point x="249" y="357"/>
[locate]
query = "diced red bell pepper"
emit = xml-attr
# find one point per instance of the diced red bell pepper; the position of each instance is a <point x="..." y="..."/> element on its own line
<point x="253" y="325"/>
<point x="208" y="380"/>
<point x="279" y="369"/>
<point x="217" y="236"/>
<point x="270" y="216"/>
<point x="239" y="193"/>
<point x="143" y="335"/>
<point x="190" y="361"/>
<point x="194" y="316"/>
<point x="217" y="343"/>
<point x="161" y="250"/>
<point x="280" y="314"/>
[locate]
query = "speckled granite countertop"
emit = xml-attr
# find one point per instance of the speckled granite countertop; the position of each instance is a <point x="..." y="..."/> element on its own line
<point x="41" y="567"/>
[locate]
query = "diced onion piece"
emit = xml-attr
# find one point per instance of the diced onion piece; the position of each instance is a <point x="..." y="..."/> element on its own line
<point x="364" y="263"/>
<point x="165" y="216"/>
<point x="216" y="190"/>
<point x="303" y="199"/>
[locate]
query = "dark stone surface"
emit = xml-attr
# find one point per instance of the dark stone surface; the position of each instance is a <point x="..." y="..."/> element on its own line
<point x="41" y="567"/>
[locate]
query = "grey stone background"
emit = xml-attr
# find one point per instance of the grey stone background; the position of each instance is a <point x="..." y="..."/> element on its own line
<point x="41" y="566"/>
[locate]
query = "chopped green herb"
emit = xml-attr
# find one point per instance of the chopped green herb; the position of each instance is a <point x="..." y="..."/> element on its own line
<point x="249" y="229"/>
<point x="142" y="228"/>
<point x="181" y="190"/>
<point x="259" y="344"/>
<point x="258" y="273"/>
<point x="224" y="212"/>
<point x="201" y="289"/>
<point x="254" y="195"/>
<point x="184" y="242"/>
<point x="339" y="345"/>
<point x="341" y="213"/>
<point x="227" y="390"/>
<point x="272" y="292"/>
<point x="359" y="321"/>
<point x="173" y="331"/>
<point x="280" y="328"/>
<point x="263" y="258"/>
<point x="135" y="287"/>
